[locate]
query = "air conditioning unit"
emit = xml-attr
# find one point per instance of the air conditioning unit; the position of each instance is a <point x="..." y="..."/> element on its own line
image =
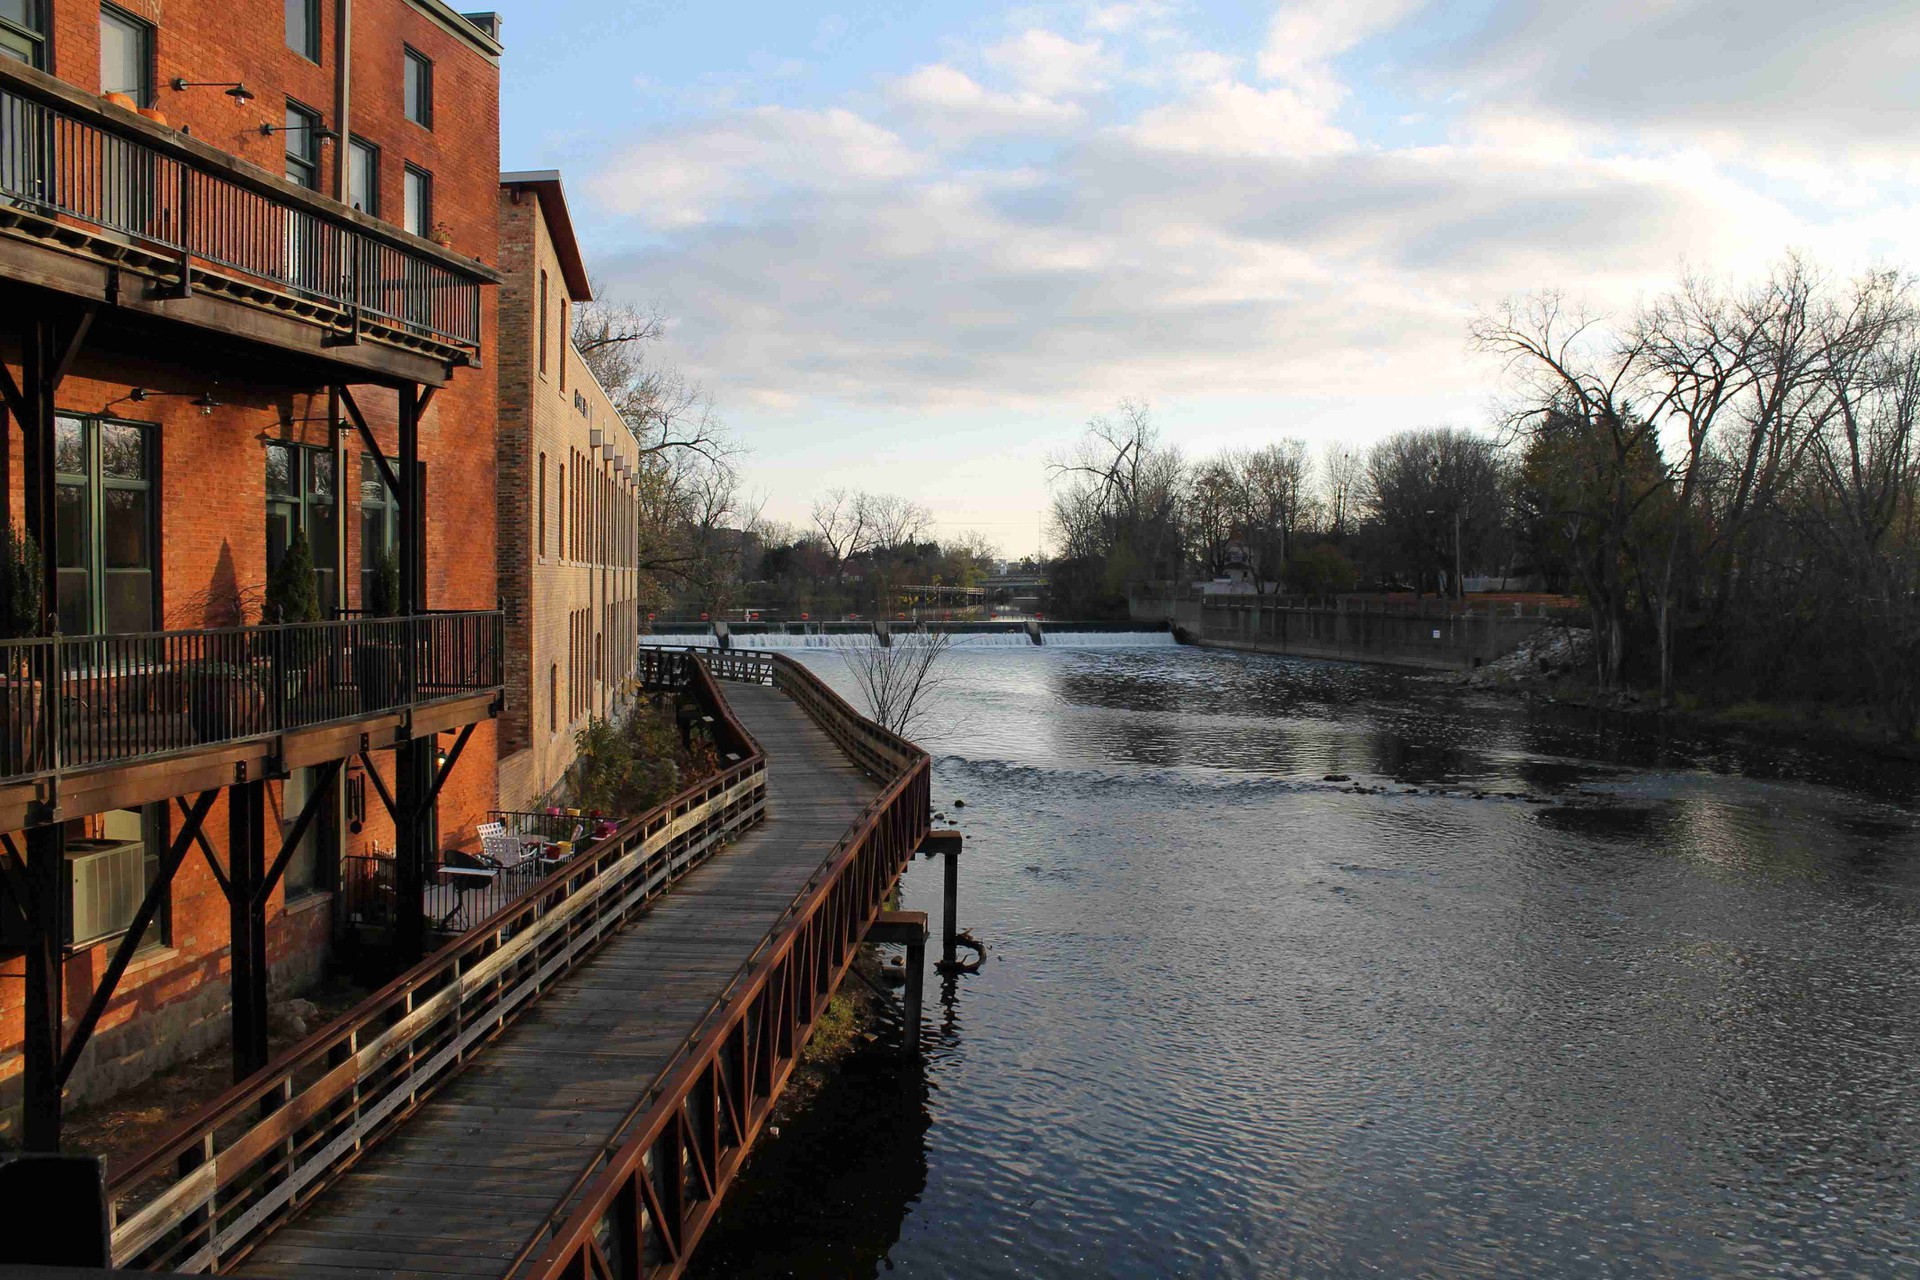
<point x="105" y="882"/>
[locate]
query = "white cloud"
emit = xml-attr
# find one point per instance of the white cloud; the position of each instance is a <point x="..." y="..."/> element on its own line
<point x="1304" y="35"/>
<point x="1230" y="118"/>
<point x="1047" y="63"/>
<point x="948" y="102"/>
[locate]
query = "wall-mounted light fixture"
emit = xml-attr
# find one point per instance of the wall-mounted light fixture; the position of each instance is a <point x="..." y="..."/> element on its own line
<point x="321" y="133"/>
<point x="204" y="402"/>
<point x="239" y="92"/>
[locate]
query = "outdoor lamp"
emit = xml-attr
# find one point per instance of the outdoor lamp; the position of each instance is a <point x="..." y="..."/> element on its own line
<point x="239" y="92"/>
<point x="321" y="133"/>
<point x="205" y="403"/>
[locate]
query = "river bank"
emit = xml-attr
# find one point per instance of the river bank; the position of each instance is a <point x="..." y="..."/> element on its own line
<point x="1555" y="667"/>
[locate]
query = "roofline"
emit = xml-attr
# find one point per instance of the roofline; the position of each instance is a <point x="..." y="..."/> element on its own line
<point x="545" y="185"/>
<point x="456" y="24"/>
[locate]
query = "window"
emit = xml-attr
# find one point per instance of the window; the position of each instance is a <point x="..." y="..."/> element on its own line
<point x="126" y="56"/>
<point x="417" y="217"/>
<point x="560" y="517"/>
<point x="363" y="176"/>
<point x="543" y="322"/>
<point x="301" y="494"/>
<point x="302" y="132"/>
<point x="110" y="862"/>
<point x="553" y="698"/>
<point x="564" y="344"/>
<point x="379" y="523"/>
<point x="23" y="31"/>
<point x="310" y="866"/>
<point x="104" y="516"/>
<point x="543" y="506"/>
<point x="418" y="88"/>
<point x="303" y="28"/>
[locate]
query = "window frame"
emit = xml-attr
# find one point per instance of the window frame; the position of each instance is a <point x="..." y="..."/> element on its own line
<point x="357" y="146"/>
<point x="310" y="34"/>
<point x="425" y="178"/>
<point x="309" y="133"/>
<point x="543" y="320"/>
<point x="16" y="38"/>
<point x="144" y="97"/>
<point x="388" y="505"/>
<point x="93" y="484"/>
<point x="422" y="97"/>
<point x="304" y="501"/>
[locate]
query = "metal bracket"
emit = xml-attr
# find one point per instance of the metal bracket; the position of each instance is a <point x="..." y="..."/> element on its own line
<point x="240" y="771"/>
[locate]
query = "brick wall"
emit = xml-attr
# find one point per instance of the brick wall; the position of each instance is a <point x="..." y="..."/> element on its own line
<point x="212" y="490"/>
<point x="585" y="578"/>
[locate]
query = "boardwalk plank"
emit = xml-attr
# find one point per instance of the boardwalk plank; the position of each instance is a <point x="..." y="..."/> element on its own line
<point x="467" y="1179"/>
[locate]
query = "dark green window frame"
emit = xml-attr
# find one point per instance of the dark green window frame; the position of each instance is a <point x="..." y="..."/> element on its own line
<point x="379" y="522"/>
<point x="303" y="491"/>
<point x="23" y="32"/>
<point x="303" y="28"/>
<point x="105" y="467"/>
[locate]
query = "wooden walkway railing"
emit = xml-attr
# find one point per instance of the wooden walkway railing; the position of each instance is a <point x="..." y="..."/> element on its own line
<point x="240" y="1167"/>
<point x="236" y="1169"/>
<point x="643" y="1206"/>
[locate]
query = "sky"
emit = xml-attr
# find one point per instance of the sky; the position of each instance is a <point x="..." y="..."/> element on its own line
<point x="913" y="248"/>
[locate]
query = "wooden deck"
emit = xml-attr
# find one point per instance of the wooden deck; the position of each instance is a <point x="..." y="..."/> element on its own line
<point x="464" y="1183"/>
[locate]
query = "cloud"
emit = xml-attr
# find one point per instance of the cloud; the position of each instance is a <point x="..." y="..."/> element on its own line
<point x="1050" y="65"/>
<point x="1141" y="217"/>
<point x="689" y="177"/>
<point x="948" y="102"/>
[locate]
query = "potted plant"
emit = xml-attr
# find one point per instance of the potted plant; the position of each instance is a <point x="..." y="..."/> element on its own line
<point x="293" y="596"/>
<point x="442" y="235"/>
<point x="225" y="700"/>
<point x="378" y="651"/>
<point x="22" y="597"/>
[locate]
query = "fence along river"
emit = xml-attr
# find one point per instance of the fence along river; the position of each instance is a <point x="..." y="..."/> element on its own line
<point x="568" y="1089"/>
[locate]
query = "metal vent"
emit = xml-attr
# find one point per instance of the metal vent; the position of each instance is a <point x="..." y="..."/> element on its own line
<point x="108" y="884"/>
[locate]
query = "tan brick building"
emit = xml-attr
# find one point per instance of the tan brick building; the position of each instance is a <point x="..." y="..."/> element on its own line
<point x="567" y="502"/>
<point x="246" y="287"/>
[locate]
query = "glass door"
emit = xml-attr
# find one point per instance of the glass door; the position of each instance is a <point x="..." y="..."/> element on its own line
<point x="104" y="517"/>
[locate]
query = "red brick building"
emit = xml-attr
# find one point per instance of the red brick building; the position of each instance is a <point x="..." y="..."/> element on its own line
<point x="246" y="288"/>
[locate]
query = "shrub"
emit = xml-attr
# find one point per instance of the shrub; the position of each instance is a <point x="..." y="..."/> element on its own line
<point x="293" y="590"/>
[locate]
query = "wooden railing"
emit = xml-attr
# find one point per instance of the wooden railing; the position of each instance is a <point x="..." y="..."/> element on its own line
<point x="643" y="1204"/>
<point x="72" y="704"/>
<point x="92" y="169"/>
<point x="233" y="1171"/>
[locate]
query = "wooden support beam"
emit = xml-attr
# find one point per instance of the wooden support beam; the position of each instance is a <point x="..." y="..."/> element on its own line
<point x="352" y="407"/>
<point x="130" y="941"/>
<point x="292" y="839"/>
<point x="40" y="1051"/>
<point x="906" y="929"/>
<point x="247" y="924"/>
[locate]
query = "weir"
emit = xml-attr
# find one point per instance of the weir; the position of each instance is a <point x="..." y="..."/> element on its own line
<point x="1011" y="635"/>
<point x="568" y="1089"/>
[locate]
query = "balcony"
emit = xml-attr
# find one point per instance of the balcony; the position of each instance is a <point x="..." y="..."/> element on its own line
<point x="204" y="235"/>
<point x="108" y="721"/>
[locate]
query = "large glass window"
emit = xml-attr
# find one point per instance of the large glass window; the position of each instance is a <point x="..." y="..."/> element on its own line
<point x="379" y="523"/>
<point x="104" y="525"/>
<point x="418" y="88"/>
<point x="418" y="214"/>
<point x="302" y="494"/>
<point x="363" y="176"/>
<point x="23" y="31"/>
<point x="302" y="133"/>
<point x="303" y="28"/>
<point x="126" y="56"/>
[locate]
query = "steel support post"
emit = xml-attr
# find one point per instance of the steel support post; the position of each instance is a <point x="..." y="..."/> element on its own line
<point x="916" y="981"/>
<point x="949" y="903"/>
<point x="45" y="997"/>
<point x="413" y="804"/>
<point x="247" y="924"/>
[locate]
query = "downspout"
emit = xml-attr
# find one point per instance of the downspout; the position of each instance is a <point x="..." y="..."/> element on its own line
<point x="342" y="94"/>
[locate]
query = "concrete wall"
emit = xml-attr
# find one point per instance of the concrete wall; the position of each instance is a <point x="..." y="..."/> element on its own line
<point x="1438" y="639"/>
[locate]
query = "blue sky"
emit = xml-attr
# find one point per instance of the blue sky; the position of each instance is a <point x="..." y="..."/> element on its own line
<point x="914" y="248"/>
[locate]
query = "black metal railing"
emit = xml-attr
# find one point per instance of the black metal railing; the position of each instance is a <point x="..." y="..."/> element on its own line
<point x="57" y="163"/>
<point x="79" y="703"/>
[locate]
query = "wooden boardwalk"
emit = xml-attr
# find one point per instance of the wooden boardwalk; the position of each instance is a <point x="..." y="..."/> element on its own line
<point x="459" y="1188"/>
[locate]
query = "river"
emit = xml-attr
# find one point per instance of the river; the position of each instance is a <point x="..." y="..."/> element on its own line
<point x="1554" y="996"/>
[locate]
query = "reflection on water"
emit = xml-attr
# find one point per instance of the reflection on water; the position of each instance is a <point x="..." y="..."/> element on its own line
<point x="1533" y="994"/>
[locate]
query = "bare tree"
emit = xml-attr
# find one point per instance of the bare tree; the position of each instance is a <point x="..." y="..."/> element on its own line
<point x="839" y="520"/>
<point x="899" y="681"/>
<point x="1342" y="470"/>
